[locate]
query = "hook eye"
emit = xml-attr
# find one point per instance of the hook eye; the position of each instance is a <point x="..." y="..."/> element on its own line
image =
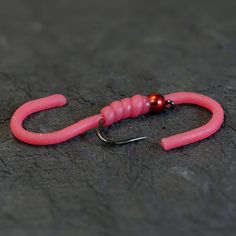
<point x="112" y="142"/>
<point x="170" y="105"/>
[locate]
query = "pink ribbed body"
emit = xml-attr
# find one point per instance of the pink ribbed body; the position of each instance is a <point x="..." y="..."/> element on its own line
<point x="125" y="108"/>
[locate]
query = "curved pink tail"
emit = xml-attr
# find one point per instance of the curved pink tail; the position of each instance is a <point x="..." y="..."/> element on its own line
<point x="59" y="136"/>
<point x="200" y="133"/>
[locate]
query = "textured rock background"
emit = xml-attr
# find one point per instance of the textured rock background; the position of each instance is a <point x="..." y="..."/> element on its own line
<point x="95" y="51"/>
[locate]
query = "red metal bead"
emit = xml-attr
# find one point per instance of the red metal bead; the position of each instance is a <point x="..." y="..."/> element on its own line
<point x="157" y="102"/>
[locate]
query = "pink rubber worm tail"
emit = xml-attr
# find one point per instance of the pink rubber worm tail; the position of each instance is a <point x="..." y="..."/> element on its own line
<point x="203" y="132"/>
<point x="128" y="107"/>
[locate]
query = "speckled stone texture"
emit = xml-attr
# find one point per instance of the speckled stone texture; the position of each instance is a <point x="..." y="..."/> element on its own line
<point x="95" y="51"/>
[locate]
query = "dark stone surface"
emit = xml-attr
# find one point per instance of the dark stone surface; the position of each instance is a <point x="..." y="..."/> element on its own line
<point x="95" y="51"/>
